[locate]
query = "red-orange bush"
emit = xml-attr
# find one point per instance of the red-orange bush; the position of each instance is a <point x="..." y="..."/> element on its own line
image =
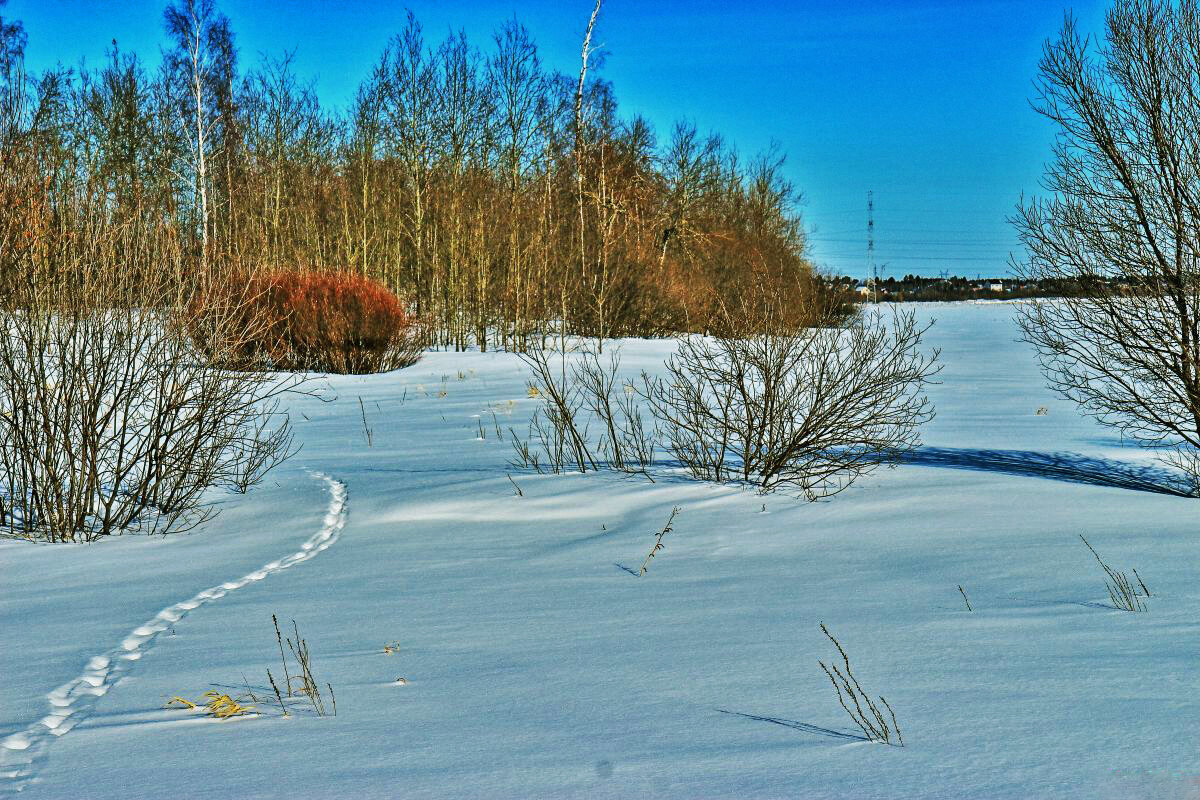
<point x="294" y="320"/>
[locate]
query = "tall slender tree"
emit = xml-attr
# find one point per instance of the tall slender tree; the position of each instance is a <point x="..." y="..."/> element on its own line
<point x="200" y="66"/>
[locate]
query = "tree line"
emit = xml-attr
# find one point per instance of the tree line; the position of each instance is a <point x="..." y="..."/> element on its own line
<point x="496" y="195"/>
<point x="917" y="288"/>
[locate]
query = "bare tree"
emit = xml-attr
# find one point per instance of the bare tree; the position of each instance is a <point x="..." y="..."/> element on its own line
<point x="581" y="149"/>
<point x="690" y="171"/>
<point x="201" y="61"/>
<point x="516" y="77"/>
<point x="464" y="123"/>
<point x="1123" y="222"/>
<point x="408" y="85"/>
<point x="287" y="138"/>
<point x="359" y="154"/>
<point x="13" y="94"/>
<point x="12" y="48"/>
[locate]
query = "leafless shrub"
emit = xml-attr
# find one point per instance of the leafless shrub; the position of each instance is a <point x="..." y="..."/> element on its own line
<point x="306" y="321"/>
<point x="1121" y="590"/>
<point x="109" y="419"/>
<point x="811" y="409"/>
<point x="265" y="443"/>
<point x="857" y="703"/>
<point x="626" y="443"/>
<point x="559" y="426"/>
<point x="547" y="431"/>
<point x="577" y="395"/>
<point x="527" y="457"/>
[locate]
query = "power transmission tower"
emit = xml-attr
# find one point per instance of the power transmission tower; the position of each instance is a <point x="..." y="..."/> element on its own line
<point x="872" y="270"/>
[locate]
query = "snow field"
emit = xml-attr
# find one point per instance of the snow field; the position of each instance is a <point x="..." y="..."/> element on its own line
<point x="537" y="667"/>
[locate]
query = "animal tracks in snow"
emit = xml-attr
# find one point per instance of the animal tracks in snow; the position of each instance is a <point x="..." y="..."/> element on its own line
<point x="71" y="703"/>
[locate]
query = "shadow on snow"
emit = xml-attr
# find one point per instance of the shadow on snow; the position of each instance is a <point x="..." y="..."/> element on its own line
<point x="1070" y="467"/>
<point x="801" y="726"/>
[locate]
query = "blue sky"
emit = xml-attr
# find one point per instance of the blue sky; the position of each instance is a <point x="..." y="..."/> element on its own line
<point x="924" y="102"/>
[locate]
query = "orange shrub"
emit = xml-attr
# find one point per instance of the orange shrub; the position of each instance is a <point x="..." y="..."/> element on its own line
<point x="293" y="320"/>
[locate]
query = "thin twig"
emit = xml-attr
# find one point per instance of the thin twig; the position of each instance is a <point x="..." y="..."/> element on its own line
<point x="658" y="540"/>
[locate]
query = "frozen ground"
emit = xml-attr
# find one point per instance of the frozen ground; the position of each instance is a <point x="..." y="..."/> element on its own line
<point x="537" y="667"/>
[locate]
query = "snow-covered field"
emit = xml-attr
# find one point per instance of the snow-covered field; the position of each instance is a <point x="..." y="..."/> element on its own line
<point x="537" y="666"/>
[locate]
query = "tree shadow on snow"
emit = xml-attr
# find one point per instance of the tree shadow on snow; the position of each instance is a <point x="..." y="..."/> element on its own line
<point x="1069" y="467"/>
<point x="801" y="726"/>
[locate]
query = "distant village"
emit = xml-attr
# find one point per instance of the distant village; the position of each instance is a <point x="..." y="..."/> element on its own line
<point x="915" y="288"/>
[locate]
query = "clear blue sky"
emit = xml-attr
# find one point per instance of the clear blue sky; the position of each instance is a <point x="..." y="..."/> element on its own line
<point x="924" y="102"/>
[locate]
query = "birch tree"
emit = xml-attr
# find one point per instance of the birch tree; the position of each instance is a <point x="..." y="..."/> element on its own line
<point x="198" y="64"/>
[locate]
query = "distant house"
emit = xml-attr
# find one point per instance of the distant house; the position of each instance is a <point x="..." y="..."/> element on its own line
<point x="862" y="289"/>
<point x="996" y="286"/>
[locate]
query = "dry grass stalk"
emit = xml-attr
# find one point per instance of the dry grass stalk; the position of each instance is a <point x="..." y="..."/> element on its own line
<point x="308" y="682"/>
<point x="278" y="695"/>
<point x="215" y="704"/>
<point x="866" y="714"/>
<point x="1121" y="591"/>
<point x="287" y="678"/>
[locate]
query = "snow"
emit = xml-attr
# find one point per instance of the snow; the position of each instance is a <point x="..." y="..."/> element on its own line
<point x="535" y="665"/>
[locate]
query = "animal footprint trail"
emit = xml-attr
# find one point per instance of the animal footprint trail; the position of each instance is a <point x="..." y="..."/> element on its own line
<point x="71" y="703"/>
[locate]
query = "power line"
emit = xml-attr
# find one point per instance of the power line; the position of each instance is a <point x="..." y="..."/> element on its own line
<point x="914" y="225"/>
<point x="871" y="269"/>
<point x="931" y="259"/>
<point x="927" y="242"/>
